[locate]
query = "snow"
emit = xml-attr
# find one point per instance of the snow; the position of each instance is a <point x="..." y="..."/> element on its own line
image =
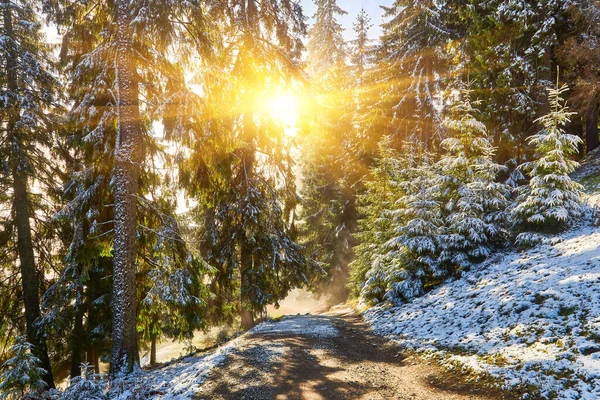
<point x="180" y="380"/>
<point x="313" y="325"/>
<point x="528" y="318"/>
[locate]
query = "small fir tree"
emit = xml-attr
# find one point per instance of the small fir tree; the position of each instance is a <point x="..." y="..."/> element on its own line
<point x="473" y="202"/>
<point x="22" y="373"/>
<point x="552" y="199"/>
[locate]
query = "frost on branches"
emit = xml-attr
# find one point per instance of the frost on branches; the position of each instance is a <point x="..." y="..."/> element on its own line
<point x="22" y="373"/>
<point x="473" y="202"/>
<point x="437" y="219"/>
<point x="552" y="199"/>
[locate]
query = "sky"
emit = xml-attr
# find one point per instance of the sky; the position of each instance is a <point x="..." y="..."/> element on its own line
<point x="352" y="7"/>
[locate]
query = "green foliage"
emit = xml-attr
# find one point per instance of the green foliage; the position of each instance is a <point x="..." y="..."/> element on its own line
<point x="552" y="199"/>
<point x="21" y="374"/>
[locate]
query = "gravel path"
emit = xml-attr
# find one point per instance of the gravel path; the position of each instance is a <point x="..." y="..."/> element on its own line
<point x="330" y="356"/>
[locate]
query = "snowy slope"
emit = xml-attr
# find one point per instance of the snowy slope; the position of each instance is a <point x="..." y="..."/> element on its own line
<point x="529" y="318"/>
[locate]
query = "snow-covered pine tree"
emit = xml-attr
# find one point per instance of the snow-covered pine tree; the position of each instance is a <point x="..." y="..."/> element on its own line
<point x="552" y="199"/>
<point x="378" y="248"/>
<point x="361" y="49"/>
<point x="326" y="45"/>
<point x="173" y="294"/>
<point x="473" y="203"/>
<point x="328" y="197"/>
<point x="87" y="385"/>
<point x="402" y="94"/>
<point x="22" y="373"/>
<point x="127" y="70"/>
<point x="246" y="189"/>
<point x="579" y="56"/>
<point x="28" y="116"/>
<point x="375" y="227"/>
<point x="509" y="49"/>
<point x="413" y="252"/>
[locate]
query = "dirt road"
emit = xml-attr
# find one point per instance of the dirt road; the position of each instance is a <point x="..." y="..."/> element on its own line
<point x="331" y="356"/>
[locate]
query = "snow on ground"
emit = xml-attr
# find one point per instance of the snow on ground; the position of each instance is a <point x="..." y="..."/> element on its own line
<point x="313" y="325"/>
<point x="529" y="318"/>
<point x="182" y="379"/>
<point x="177" y="381"/>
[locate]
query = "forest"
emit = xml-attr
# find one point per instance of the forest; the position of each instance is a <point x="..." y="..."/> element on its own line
<point x="170" y="166"/>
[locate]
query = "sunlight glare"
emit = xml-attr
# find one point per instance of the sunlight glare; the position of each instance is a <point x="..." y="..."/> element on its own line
<point x="284" y="109"/>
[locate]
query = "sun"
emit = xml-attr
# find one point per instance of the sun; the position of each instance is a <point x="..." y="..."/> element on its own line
<point x="283" y="108"/>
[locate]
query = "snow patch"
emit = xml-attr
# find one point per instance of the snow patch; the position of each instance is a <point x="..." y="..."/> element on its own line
<point x="304" y="325"/>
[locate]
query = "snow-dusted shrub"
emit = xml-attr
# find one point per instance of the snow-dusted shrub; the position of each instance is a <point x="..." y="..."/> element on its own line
<point x="88" y="386"/>
<point x="552" y="199"/>
<point x="375" y="286"/>
<point x="21" y="374"/>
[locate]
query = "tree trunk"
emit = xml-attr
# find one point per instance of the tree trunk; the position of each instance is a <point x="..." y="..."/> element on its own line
<point x="77" y="341"/>
<point x="246" y="250"/>
<point x="152" y="350"/>
<point x="591" y="125"/>
<point x="22" y="208"/>
<point x="93" y="359"/>
<point x="128" y="156"/>
<point x="246" y="312"/>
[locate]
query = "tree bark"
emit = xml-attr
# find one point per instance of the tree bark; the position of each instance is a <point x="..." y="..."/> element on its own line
<point x="591" y="125"/>
<point x="77" y="342"/>
<point x="22" y="209"/>
<point x="153" y="349"/>
<point x="128" y="156"/>
<point x="248" y="160"/>
<point x="93" y="359"/>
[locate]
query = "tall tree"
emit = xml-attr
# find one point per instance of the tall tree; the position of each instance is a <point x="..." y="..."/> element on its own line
<point x="361" y="48"/>
<point x="509" y="51"/>
<point x="247" y="189"/>
<point x="326" y="46"/>
<point x="580" y="54"/>
<point x="328" y="199"/>
<point x="127" y="72"/>
<point x="28" y="104"/>
<point x="413" y="63"/>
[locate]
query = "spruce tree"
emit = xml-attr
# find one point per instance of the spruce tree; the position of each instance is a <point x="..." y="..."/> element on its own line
<point x="328" y="194"/>
<point x="510" y="49"/>
<point x="28" y="110"/>
<point x="246" y="189"/>
<point x="126" y="61"/>
<point x="22" y="373"/>
<point x="472" y="200"/>
<point x="552" y="199"/>
<point x="326" y="46"/>
<point x="361" y="48"/>
<point x="402" y="94"/>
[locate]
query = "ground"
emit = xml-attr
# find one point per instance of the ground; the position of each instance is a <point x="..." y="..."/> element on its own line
<point x="328" y="356"/>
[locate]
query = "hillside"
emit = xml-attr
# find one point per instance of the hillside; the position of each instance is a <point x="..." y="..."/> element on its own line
<point x="529" y="318"/>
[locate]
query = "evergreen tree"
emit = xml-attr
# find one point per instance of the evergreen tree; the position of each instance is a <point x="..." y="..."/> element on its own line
<point x="247" y="189"/>
<point x="329" y="212"/>
<point x="473" y="202"/>
<point x="402" y="94"/>
<point x="326" y="46"/>
<point x="579" y="56"/>
<point x="394" y="178"/>
<point x="22" y="372"/>
<point x="127" y="72"/>
<point x="510" y="50"/>
<point x="28" y="109"/>
<point x="361" y="48"/>
<point x="551" y="200"/>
